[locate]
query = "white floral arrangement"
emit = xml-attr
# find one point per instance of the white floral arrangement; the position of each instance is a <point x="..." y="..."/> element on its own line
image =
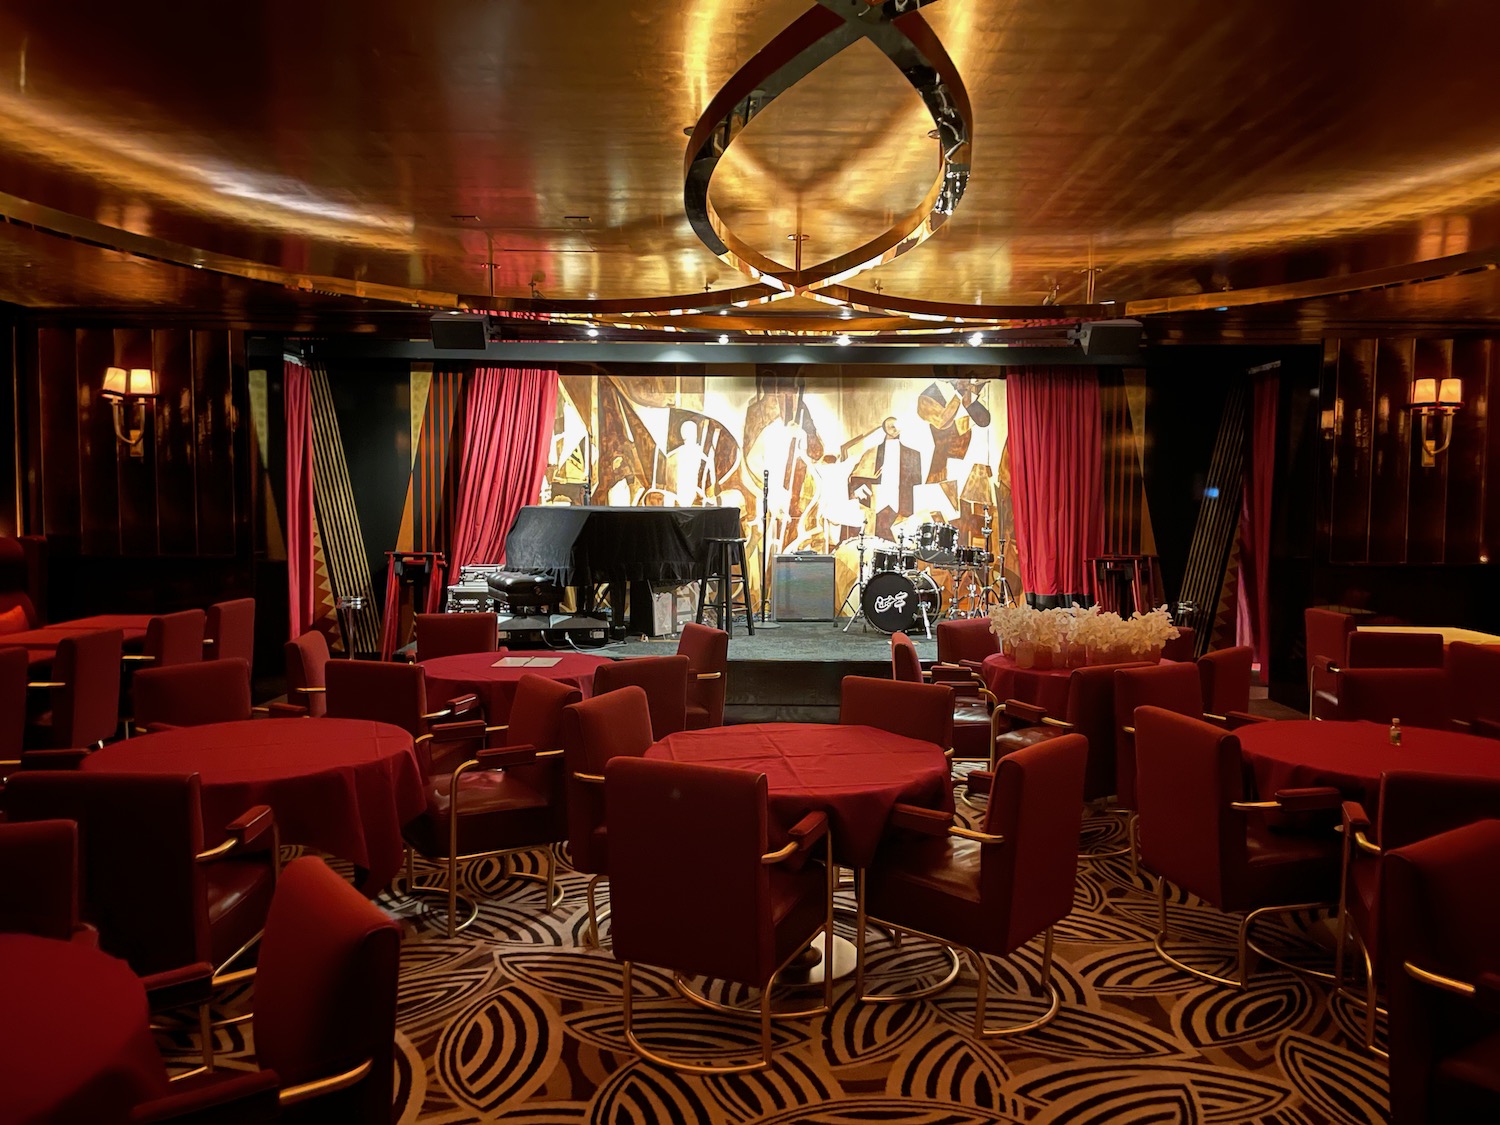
<point x="1064" y="628"/>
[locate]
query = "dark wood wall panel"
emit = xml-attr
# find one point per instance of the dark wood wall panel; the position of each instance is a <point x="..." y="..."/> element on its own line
<point x="1390" y="445"/>
<point x="54" y="385"/>
<point x="1355" y="391"/>
<point x="184" y="495"/>
<point x="1379" y="504"/>
<point x="214" y="443"/>
<point x="176" y="462"/>
<point x="98" y="461"/>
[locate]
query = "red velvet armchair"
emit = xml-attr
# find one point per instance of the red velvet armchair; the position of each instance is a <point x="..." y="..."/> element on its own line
<point x="324" y="1022"/>
<point x="306" y="684"/>
<point x="14" y="673"/>
<point x="1413" y="806"/>
<point x="995" y="889"/>
<point x="179" y="911"/>
<point x="923" y="711"/>
<point x="1197" y="830"/>
<point x="1473" y="674"/>
<point x="664" y="679"/>
<point x="501" y="800"/>
<point x="966" y="641"/>
<point x="972" y="727"/>
<point x="452" y="634"/>
<point x="1184" y="646"/>
<point x="707" y="650"/>
<point x="1224" y="675"/>
<point x="39" y="880"/>
<point x="1443" y="941"/>
<point x="82" y="707"/>
<point x="1416" y="696"/>
<point x="696" y="887"/>
<point x="191" y="695"/>
<point x="595" y="732"/>
<point x="390" y="692"/>
<point x="1328" y="633"/>
<point x="229" y="631"/>
<point x="172" y="638"/>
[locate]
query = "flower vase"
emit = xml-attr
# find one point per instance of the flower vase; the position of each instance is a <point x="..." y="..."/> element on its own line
<point x="1025" y="654"/>
<point x="1045" y="658"/>
<point x="1008" y="647"/>
<point x="1153" y="654"/>
<point x="1075" y="655"/>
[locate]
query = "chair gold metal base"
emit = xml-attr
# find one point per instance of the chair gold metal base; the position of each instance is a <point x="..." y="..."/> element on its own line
<point x="765" y="1014"/>
<point x="1370" y="1001"/>
<point x="982" y="979"/>
<point x="470" y="906"/>
<point x="591" y="935"/>
<point x="1243" y="945"/>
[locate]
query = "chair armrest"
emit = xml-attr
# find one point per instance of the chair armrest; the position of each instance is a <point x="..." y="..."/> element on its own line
<point x="457" y="706"/>
<point x="1437" y="980"/>
<point x="52" y="759"/>
<point x="709" y="676"/>
<point x="973" y="665"/>
<point x="137" y="658"/>
<point x="590" y="778"/>
<point x="981" y="781"/>
<point x="951" y="674"/>
<point x="1234" y="720"/>
<point x="241" y="1096"/>
<point x="243" y="832"/>
<point x="286" y="711"/>
<point x="1356" y="826"/>
<point x="1325" y="664"/>
<point x="930" y="822"/>
<point x="501" y="757"/>
<point x="1018" y="711"/>
<point x="40" y="684"/>
<point x="805" y="833"/>
<point x="971" y="834"/>
<point x="307" y="690"/>
<point x="457" y="732"/>
<point x="177" y="988"/>
<point x="1313" y="799"/>
<point x="330" y="1085"/>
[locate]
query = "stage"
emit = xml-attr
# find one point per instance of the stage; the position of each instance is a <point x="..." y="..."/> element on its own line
<point x="791" y="672"/>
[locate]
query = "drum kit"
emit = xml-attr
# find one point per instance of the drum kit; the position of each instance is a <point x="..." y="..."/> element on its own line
<point x="898" y="591"/>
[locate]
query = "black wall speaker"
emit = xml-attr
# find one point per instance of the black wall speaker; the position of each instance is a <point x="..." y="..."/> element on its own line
<point x="467" y="331"/>
<point x="1110" y="337"/>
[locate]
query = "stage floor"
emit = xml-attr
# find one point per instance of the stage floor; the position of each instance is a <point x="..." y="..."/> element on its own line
<point x="792" y="671"/>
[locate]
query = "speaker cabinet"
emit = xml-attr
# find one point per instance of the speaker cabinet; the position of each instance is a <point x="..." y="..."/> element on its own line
<point x="802" y="587"/>
<point x="1110" y="337"/>
<point x="460" y="331"/>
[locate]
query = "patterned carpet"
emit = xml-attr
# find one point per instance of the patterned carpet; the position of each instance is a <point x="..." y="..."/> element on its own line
<point x="515" y="1021"/>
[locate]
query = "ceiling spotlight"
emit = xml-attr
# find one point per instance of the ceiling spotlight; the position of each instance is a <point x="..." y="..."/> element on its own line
<point x="843" y="340"/>
<point x="724" y="338"/>
<point x="976" y="339"/>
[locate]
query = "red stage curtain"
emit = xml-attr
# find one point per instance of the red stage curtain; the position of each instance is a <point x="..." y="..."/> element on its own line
<point x="508" y="420"/>
<point x="301" y="577"/>
<point x="1253" y="623"/>
<point x="1056" y="476"/>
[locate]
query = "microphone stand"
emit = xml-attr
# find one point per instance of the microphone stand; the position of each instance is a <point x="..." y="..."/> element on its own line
<point x="765" y="540"/>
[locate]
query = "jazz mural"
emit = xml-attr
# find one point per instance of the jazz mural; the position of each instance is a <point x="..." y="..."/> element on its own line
<point x="814" y="457"/>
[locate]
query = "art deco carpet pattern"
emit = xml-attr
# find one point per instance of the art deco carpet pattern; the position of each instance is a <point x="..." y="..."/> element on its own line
<point x="516" y="1021"/>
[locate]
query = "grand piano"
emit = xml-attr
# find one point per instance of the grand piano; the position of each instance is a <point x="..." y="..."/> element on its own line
<point x="586" y="546"/>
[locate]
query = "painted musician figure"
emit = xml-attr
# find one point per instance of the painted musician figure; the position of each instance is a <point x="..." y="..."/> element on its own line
<point x="885" y="479"/>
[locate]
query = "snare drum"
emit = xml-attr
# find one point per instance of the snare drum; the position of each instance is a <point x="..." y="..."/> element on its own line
<point x="936" y="539"/>
<point x="975" y="558"/>
<point x="894" y="558"/>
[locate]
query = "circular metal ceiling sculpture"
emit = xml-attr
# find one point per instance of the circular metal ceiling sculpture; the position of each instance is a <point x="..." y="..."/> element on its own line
<point x="900" y="32"/>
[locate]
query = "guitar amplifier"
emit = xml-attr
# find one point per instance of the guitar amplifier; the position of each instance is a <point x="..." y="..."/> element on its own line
<point x="802" y="587"/>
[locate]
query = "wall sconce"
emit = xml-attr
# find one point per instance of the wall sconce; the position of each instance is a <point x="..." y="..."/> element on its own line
<point x="1443" y="398"/>
<point x="130" y="389"/>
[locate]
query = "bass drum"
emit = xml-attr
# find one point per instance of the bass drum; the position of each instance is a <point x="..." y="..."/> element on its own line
<point x="892" y="602"/>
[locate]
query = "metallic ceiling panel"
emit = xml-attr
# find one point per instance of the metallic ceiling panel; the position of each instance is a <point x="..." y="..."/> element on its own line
<point x="1181" y="149"/>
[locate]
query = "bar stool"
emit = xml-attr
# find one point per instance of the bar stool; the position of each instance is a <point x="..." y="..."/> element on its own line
<point x="721" y="559"/>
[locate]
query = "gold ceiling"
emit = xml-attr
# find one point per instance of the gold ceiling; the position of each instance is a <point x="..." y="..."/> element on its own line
<point x="332" y="160"/>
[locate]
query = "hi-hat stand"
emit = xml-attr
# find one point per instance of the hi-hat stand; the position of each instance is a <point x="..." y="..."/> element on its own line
<point x="856" y="592"/>
<point x="765" y="541"/>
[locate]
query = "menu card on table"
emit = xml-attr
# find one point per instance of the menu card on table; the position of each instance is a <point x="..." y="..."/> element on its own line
<point x="527" y="662"/>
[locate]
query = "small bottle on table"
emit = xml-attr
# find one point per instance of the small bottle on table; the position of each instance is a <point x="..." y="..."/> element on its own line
<point x="1395" y="732"/>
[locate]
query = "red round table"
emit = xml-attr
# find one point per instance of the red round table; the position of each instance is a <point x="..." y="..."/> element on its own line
<point x="1352" y="756"/>
<point x="75" y="1040"/>
<point x="343" y="786"/>
<point x="854" y="774"/>
<point x="451" y="676"/>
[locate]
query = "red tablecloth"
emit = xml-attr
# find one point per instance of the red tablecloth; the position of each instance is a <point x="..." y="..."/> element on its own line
<point x="1352" y="756"/>
<point x="1043" y="688"/>
<point x="75" y="1035"/>
<point x="449" y="676"/>
<point x="854" y="774"/>
<point x="133" y="625"/>
<point x="343" y="786"/>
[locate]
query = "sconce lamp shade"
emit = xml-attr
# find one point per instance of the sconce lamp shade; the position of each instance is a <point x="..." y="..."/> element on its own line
<point x="137" y="382"/>
<point x="1435" y="394"/>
